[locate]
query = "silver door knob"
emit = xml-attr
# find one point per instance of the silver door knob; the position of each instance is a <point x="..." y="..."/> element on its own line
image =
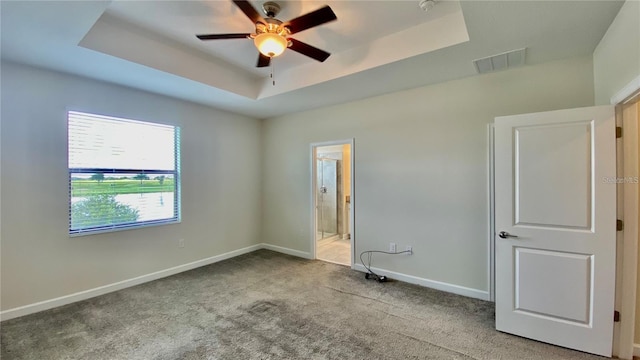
<point x="504" y="235"/>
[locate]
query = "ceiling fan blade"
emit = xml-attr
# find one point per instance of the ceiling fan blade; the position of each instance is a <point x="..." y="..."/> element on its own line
<point x="314" y="18"/>
<point x="308" y="50"/>
<point x="263" y="60"/>
<point x="222" y="36"/>
<point x="249" y="10"/>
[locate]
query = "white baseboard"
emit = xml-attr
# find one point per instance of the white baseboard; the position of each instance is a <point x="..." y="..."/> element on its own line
<point x="438" y="285"/>
<point x="284" y="250"/>
<point x="636" y="350"/>
<point x="101" y="290"/>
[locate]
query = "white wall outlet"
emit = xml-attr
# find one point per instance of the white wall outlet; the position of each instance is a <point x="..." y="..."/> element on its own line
<point x="181" y="243"/>
<point x="409" y="249"/>
<point x="392" y="247"/>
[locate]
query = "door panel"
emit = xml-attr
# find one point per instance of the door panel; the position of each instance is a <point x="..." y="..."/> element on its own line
<point x="545" y="155"/>
<point x="536" y="273"/>
<point x="555" y="278"/>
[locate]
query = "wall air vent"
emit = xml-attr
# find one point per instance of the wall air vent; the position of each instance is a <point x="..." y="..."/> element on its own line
<point x="499" y="62"/>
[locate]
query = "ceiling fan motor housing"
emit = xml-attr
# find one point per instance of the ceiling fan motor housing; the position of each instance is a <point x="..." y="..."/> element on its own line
<point x="271" y="9"/>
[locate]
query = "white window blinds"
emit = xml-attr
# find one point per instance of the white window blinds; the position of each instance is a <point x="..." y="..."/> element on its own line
<point x="122" y="173"/>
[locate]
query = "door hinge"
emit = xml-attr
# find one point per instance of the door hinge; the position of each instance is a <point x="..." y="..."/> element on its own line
<point x="616" y="316"/>
<point x="618" y="132"/>
<point x="619" y="225"/>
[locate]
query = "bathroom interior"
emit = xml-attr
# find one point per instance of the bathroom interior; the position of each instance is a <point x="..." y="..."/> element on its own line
<point x="333" y="203"/>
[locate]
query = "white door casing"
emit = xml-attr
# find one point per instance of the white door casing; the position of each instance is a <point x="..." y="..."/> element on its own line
<point x="555" y="190"/>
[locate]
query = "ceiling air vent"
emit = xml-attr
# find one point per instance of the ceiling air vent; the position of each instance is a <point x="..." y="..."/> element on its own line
<point x="499" y="62"/>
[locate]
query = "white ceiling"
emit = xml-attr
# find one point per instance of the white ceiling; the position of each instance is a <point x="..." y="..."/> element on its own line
<point x="377" y="46"/>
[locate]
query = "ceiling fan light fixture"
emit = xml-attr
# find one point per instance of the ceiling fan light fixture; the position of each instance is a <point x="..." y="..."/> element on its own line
<point x="270" y="44"/>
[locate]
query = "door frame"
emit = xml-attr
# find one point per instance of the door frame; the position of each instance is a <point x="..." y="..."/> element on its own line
<point x="313" y="147"/>
<point x="627" y="259"/>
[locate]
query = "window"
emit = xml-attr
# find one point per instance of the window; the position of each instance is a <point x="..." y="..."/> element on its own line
<point x="122" y="173"/>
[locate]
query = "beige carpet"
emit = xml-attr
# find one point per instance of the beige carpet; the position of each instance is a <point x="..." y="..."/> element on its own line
<point x="266" y="305"/>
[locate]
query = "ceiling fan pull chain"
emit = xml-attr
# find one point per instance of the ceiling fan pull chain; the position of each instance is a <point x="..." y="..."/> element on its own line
<point x="273" y="80"/>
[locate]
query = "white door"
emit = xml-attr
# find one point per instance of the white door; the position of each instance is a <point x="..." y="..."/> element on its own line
<point x="555" y="198"/>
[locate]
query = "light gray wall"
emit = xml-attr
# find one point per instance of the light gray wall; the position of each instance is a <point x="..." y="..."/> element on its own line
<point x="616" y="59"/>
<point x="39" y="261"/>
<point x="420" y="166"/>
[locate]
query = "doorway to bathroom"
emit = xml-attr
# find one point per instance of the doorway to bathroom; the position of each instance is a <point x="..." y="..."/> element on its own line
<point x="332" y="196"/>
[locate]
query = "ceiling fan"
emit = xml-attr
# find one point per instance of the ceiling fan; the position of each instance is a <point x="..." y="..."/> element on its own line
<point x="272" y="35"/>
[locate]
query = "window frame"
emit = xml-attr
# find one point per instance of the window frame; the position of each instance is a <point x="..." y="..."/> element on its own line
<point x="175" y="173"/>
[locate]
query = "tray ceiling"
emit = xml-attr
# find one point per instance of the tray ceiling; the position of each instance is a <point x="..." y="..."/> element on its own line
<point x="377" y="46"/>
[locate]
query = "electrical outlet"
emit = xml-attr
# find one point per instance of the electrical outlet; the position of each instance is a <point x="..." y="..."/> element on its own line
<point x="392" y="247"/>
<point x="409" y="249"/>
<point x="181" y="243"/>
